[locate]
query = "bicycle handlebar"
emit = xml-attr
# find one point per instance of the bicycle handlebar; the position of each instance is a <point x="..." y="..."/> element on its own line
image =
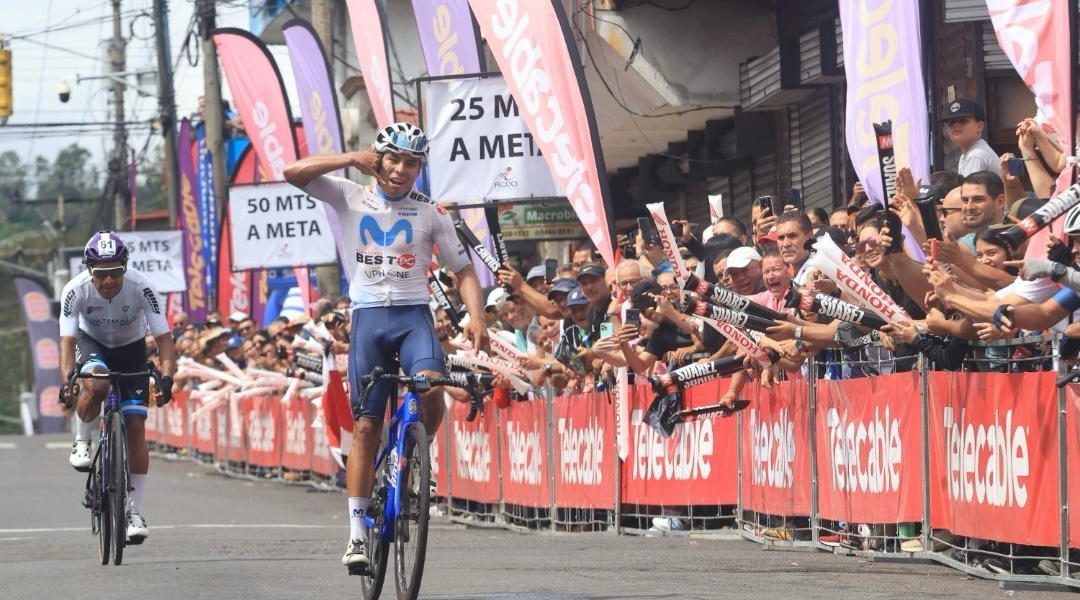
<point x="470" y="382"/>
<point x="151" y="371"/>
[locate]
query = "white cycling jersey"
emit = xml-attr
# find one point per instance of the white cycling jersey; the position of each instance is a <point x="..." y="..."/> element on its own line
<point x="390" y="239"/>
<point x="115" y="322"/>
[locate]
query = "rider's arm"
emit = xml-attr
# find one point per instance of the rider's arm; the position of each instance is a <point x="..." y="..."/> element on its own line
<point x="303" y="171"/>
<point x="67" y="354"/>
<point x="167" y="352"/>
<point x="471" y="294"/>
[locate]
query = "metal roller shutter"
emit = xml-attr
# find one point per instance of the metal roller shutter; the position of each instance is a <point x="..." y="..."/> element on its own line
<point x="742" y="195"/>
<point x="813" y="146"/>
<point x="764" y="176"/>
<point x="960" y="11"/>
<point x="994" y="58"/>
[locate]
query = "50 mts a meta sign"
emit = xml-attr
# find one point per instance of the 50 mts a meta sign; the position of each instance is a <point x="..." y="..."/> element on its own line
<point x="278" y="225"/>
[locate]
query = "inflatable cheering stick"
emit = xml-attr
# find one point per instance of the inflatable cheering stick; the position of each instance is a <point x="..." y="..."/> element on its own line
<point x="718" y="294"/>
<point x="824" y="304"/>
<point x="666" y="409"/>
<point x="1054" y="208"/>
<point x="728" y="315"/>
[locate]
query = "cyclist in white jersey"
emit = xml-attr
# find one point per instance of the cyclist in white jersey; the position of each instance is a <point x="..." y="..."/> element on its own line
<point x="104" y="315"/>
<point x="389" y="229"/>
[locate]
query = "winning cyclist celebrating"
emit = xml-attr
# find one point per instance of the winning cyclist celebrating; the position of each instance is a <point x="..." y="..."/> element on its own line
<point x="104" y="317"/>
<point x="390" y="228"/>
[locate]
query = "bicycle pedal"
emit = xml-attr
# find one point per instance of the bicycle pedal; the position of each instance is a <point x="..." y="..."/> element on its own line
<point x="88" y="500"/>
<point x="361" y="570"/>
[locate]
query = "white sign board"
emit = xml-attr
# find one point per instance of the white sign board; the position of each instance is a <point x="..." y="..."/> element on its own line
<point x="479" y="147"/>
<point x="276" y="225"/>
<point x="157" y="254"/>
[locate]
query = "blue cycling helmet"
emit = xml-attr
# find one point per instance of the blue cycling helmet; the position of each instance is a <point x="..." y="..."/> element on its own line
<point x="402" y="138"/>
<point x="105" y="247"/>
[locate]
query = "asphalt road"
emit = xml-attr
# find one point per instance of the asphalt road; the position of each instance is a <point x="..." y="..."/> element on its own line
<point x="215" y="537"/>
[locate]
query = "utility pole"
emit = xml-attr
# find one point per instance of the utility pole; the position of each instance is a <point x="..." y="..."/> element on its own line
<point x="213" y="117"/>
<point x="167" y="105"/>
<point x="322" y="12"/>
<point x="117" y="60"/>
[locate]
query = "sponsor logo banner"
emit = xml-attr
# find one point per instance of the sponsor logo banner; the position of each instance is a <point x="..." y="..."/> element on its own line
<point x="994" y="457"/>
<point x="524" y="452"/>
<point x="533" y="46"/>
<point x="472" y="455"/>
<point x="776" y="449"/>
<point x="366" y="20"/>
<point x="277" y="225"/>
<point x="446" y="34"/>
<point x="539" y="222"/>
<point x="196" y="302"/>
<point x="585" y="460"/>
<point x="480" y="146"/>
<point x="869" y="437"/>
<point x="44" y="332"/>
<point x="263" y="425"/>
<point x="698" y="464"/>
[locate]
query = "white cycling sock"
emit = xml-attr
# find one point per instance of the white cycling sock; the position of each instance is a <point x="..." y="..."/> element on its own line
<point x="357" y="511"/>
<point x="138" y="484"/>
<point x="83" y="430"/>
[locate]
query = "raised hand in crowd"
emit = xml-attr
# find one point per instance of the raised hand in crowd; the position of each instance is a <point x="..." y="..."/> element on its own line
<point x="765" y="222"/>
<point x="906" y="184"/>
<point x="904" y="207"/>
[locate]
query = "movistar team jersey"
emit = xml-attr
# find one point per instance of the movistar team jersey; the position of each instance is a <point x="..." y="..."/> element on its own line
<point x="118" y="321"/>
<point x="390" y="239"/>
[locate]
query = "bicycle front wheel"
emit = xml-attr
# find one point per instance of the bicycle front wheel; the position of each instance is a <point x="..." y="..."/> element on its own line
<point x="118" y="485"/>
<point x="100" y="517"/>
<point x="414" y="489"/>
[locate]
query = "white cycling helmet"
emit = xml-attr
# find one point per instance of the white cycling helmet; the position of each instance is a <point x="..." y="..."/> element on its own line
<point x="1072" y="221"/>
<point x="402" y="138"/>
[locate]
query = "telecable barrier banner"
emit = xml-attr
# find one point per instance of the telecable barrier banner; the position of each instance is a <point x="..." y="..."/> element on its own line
<point x="472" y="453"/>
<point x="698" y="465"/>
<point x="585" y="460"/>
<point x="297" y="441"/>
<point x="994" y="456"/>
<point x="776" y="449"/>
<point x="524" y="451"/>
<point x="203" y="428"/>
<point x="869" y="458"/>
<point x="263" y="429"/>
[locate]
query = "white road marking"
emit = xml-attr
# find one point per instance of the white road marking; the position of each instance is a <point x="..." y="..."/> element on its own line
<point x="7" y="445"/>
<point x="58" y="445"/>
<point x="15" y="539"/>
<point x="191" y="526"/>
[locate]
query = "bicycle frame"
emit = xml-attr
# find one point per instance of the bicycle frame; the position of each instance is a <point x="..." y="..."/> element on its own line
<point x="101" y="460"/>
<point x="392" y="452"/>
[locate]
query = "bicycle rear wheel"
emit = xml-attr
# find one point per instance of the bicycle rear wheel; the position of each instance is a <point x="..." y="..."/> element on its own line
<point x="378" y="551"/>
<point x="410" y="539"/>
<point x="118" y="485"/>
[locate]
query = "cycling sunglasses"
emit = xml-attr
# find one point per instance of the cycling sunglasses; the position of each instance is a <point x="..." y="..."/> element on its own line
<point x="114" y="272"/>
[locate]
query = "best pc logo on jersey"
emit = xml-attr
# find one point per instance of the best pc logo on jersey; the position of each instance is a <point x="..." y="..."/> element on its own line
<point x="372" y="233"/>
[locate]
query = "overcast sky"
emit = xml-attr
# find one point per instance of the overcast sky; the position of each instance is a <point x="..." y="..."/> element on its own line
<point x="78" y="31"/>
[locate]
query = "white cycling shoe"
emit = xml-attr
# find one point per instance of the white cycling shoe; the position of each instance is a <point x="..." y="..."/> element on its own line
<point x="137" y="531"/>
<point x="80" y="456"/>
<point x="355" y="554"/>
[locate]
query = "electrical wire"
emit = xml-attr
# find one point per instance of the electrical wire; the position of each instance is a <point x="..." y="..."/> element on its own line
<point x="663" y="7"/>
<point x="76" y="25"/>
<point x="41" y="74"/>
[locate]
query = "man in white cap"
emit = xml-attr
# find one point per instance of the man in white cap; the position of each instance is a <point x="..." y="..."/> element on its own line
<point x="744" y="269"/>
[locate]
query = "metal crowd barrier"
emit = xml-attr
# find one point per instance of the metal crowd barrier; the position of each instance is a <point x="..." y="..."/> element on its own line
<point x="957" y="468"/>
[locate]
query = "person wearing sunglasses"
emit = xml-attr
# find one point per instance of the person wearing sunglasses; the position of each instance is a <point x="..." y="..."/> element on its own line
<point x="105" y="313"/>
<point x="390" y="228"/>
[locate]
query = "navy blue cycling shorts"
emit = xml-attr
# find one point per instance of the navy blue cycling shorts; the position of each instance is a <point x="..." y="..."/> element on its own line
<point x="379" y="336"/>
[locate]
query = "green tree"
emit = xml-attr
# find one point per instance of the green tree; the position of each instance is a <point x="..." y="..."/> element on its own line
<point x="150" y="184"/>
<point x="71" y="174"/>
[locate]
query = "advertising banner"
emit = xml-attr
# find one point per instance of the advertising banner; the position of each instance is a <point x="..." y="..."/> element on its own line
<point x="297" y="443"/>
<point x="208" y="212"/>
<point x="524" y="452"/>
<point x="196" y="301"/>
<point x="884" y="83"/>
<point x="152" y="426"/>
<point x="698" y="464"/>
<point x="322" y="461"/>
<point x="223" y="427"/>
<point x="263" y="430"/>
<point x="539" y="222"/>
<point x="1072" y="419"/>
<point x="203" y="428"/>
<point x="473" y="455"/>
<point x="174" y="422"/>
<point x="869" y="439"/>
<point x="276" y="225"/>
<point x="44" y="332"/>
<point x="585" y="458"/>
<point x="994" y="456"/>
<point x="366" y="21"/>
<point x="259" y="95"/>
<point x="318" y="102"/>
<point x="532" y="43"/>
<point x="447" y="36"/>
<point x="481" y="147"/>
<point x="234" y="287"/>
<point x="776" y="449"/>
